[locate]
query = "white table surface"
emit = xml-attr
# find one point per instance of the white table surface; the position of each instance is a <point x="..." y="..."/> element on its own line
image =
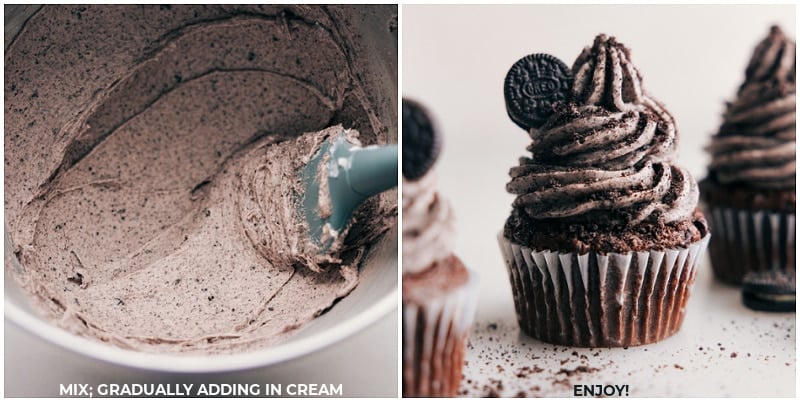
<point x="722" y="350"/>
<point x="365" y="365"/>
<point x="693" y="59"/>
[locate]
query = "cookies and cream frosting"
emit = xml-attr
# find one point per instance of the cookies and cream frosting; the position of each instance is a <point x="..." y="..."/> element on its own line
<point x="153" y="157"/>
<point x="756" y="144"/>
<point x="608" y="152"/>
<point x="428" y="224"/>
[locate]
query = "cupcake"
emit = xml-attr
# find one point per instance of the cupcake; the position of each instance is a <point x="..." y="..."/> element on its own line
<point x="750" y="188"/>
<point x="439" y="293"/>
<point x="604" y="239"/>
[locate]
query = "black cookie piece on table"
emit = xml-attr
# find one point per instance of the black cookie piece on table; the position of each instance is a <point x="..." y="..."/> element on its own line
<point x="533" y="85"/>
<point x="770" y="291"/>
<point x="421" y="142"/>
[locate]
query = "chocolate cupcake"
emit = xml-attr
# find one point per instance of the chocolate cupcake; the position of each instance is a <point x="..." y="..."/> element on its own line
<point x="439" y="293"/>
<point x="604" y="238"/>
<point x="750" y="188"/>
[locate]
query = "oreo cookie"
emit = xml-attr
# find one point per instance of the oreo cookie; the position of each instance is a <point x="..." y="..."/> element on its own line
<point x="533" y="85"/>
<point x="770" y="291"/>
<point x="421" y="142"/>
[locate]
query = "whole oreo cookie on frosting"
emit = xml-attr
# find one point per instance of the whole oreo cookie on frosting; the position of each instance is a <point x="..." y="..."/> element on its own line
<point x="438" y="289"/>
<point x="605" y="160"/>
<point x="421" y="142"/>
<point x="601" y="209"/>
<point x="533" y="85"/>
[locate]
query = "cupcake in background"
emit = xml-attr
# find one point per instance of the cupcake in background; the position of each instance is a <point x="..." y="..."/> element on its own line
<point x="439" y="293"/>
<point x="603" y="242"/>
<point x="750" y="188"/>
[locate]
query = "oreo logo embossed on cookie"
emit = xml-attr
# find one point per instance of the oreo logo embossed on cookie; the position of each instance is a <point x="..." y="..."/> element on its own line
<point x="421" y="142"/>
<point x="533" y="85"/>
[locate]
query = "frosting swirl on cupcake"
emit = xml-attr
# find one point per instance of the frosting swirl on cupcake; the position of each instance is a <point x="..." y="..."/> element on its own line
<point x="428" y="224"/>
<point x="605" y="76"/>
<point x="607" y="153"/>
<point x="756" y="144"/>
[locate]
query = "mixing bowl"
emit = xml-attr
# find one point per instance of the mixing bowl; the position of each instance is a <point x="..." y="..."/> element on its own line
<point x="375" y="296"/>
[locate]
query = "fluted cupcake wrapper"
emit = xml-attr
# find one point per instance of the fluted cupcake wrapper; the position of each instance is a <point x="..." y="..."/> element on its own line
<point x="594" y="300"/>
<point x="434" y="341"/>
<point x="747" y="240"/>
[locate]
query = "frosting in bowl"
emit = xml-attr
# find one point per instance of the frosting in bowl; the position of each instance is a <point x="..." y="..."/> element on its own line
<point x="154" y="157"/>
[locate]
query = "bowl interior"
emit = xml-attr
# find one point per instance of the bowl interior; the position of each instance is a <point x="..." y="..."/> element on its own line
<point x="375" y="296"/>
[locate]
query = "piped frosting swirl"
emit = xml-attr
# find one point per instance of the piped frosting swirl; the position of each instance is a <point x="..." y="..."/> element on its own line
<point x="428" y="224"/>
<point x="756" y="144"/>
<point x="606" y="156"/>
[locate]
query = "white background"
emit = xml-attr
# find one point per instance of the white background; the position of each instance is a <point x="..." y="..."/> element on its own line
<point x="693" y="58"/>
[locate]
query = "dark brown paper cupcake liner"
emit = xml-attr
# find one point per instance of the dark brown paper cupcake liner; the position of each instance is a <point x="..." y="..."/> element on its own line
<point x="747" y="240"/>
<point x="434" y="341"/>
<point x="596" y="300"/>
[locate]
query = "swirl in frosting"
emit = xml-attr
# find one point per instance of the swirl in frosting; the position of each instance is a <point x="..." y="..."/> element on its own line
<point x="756" y="143"/>
<point x="608" y="152"/>
<point x="428" y="224"/>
